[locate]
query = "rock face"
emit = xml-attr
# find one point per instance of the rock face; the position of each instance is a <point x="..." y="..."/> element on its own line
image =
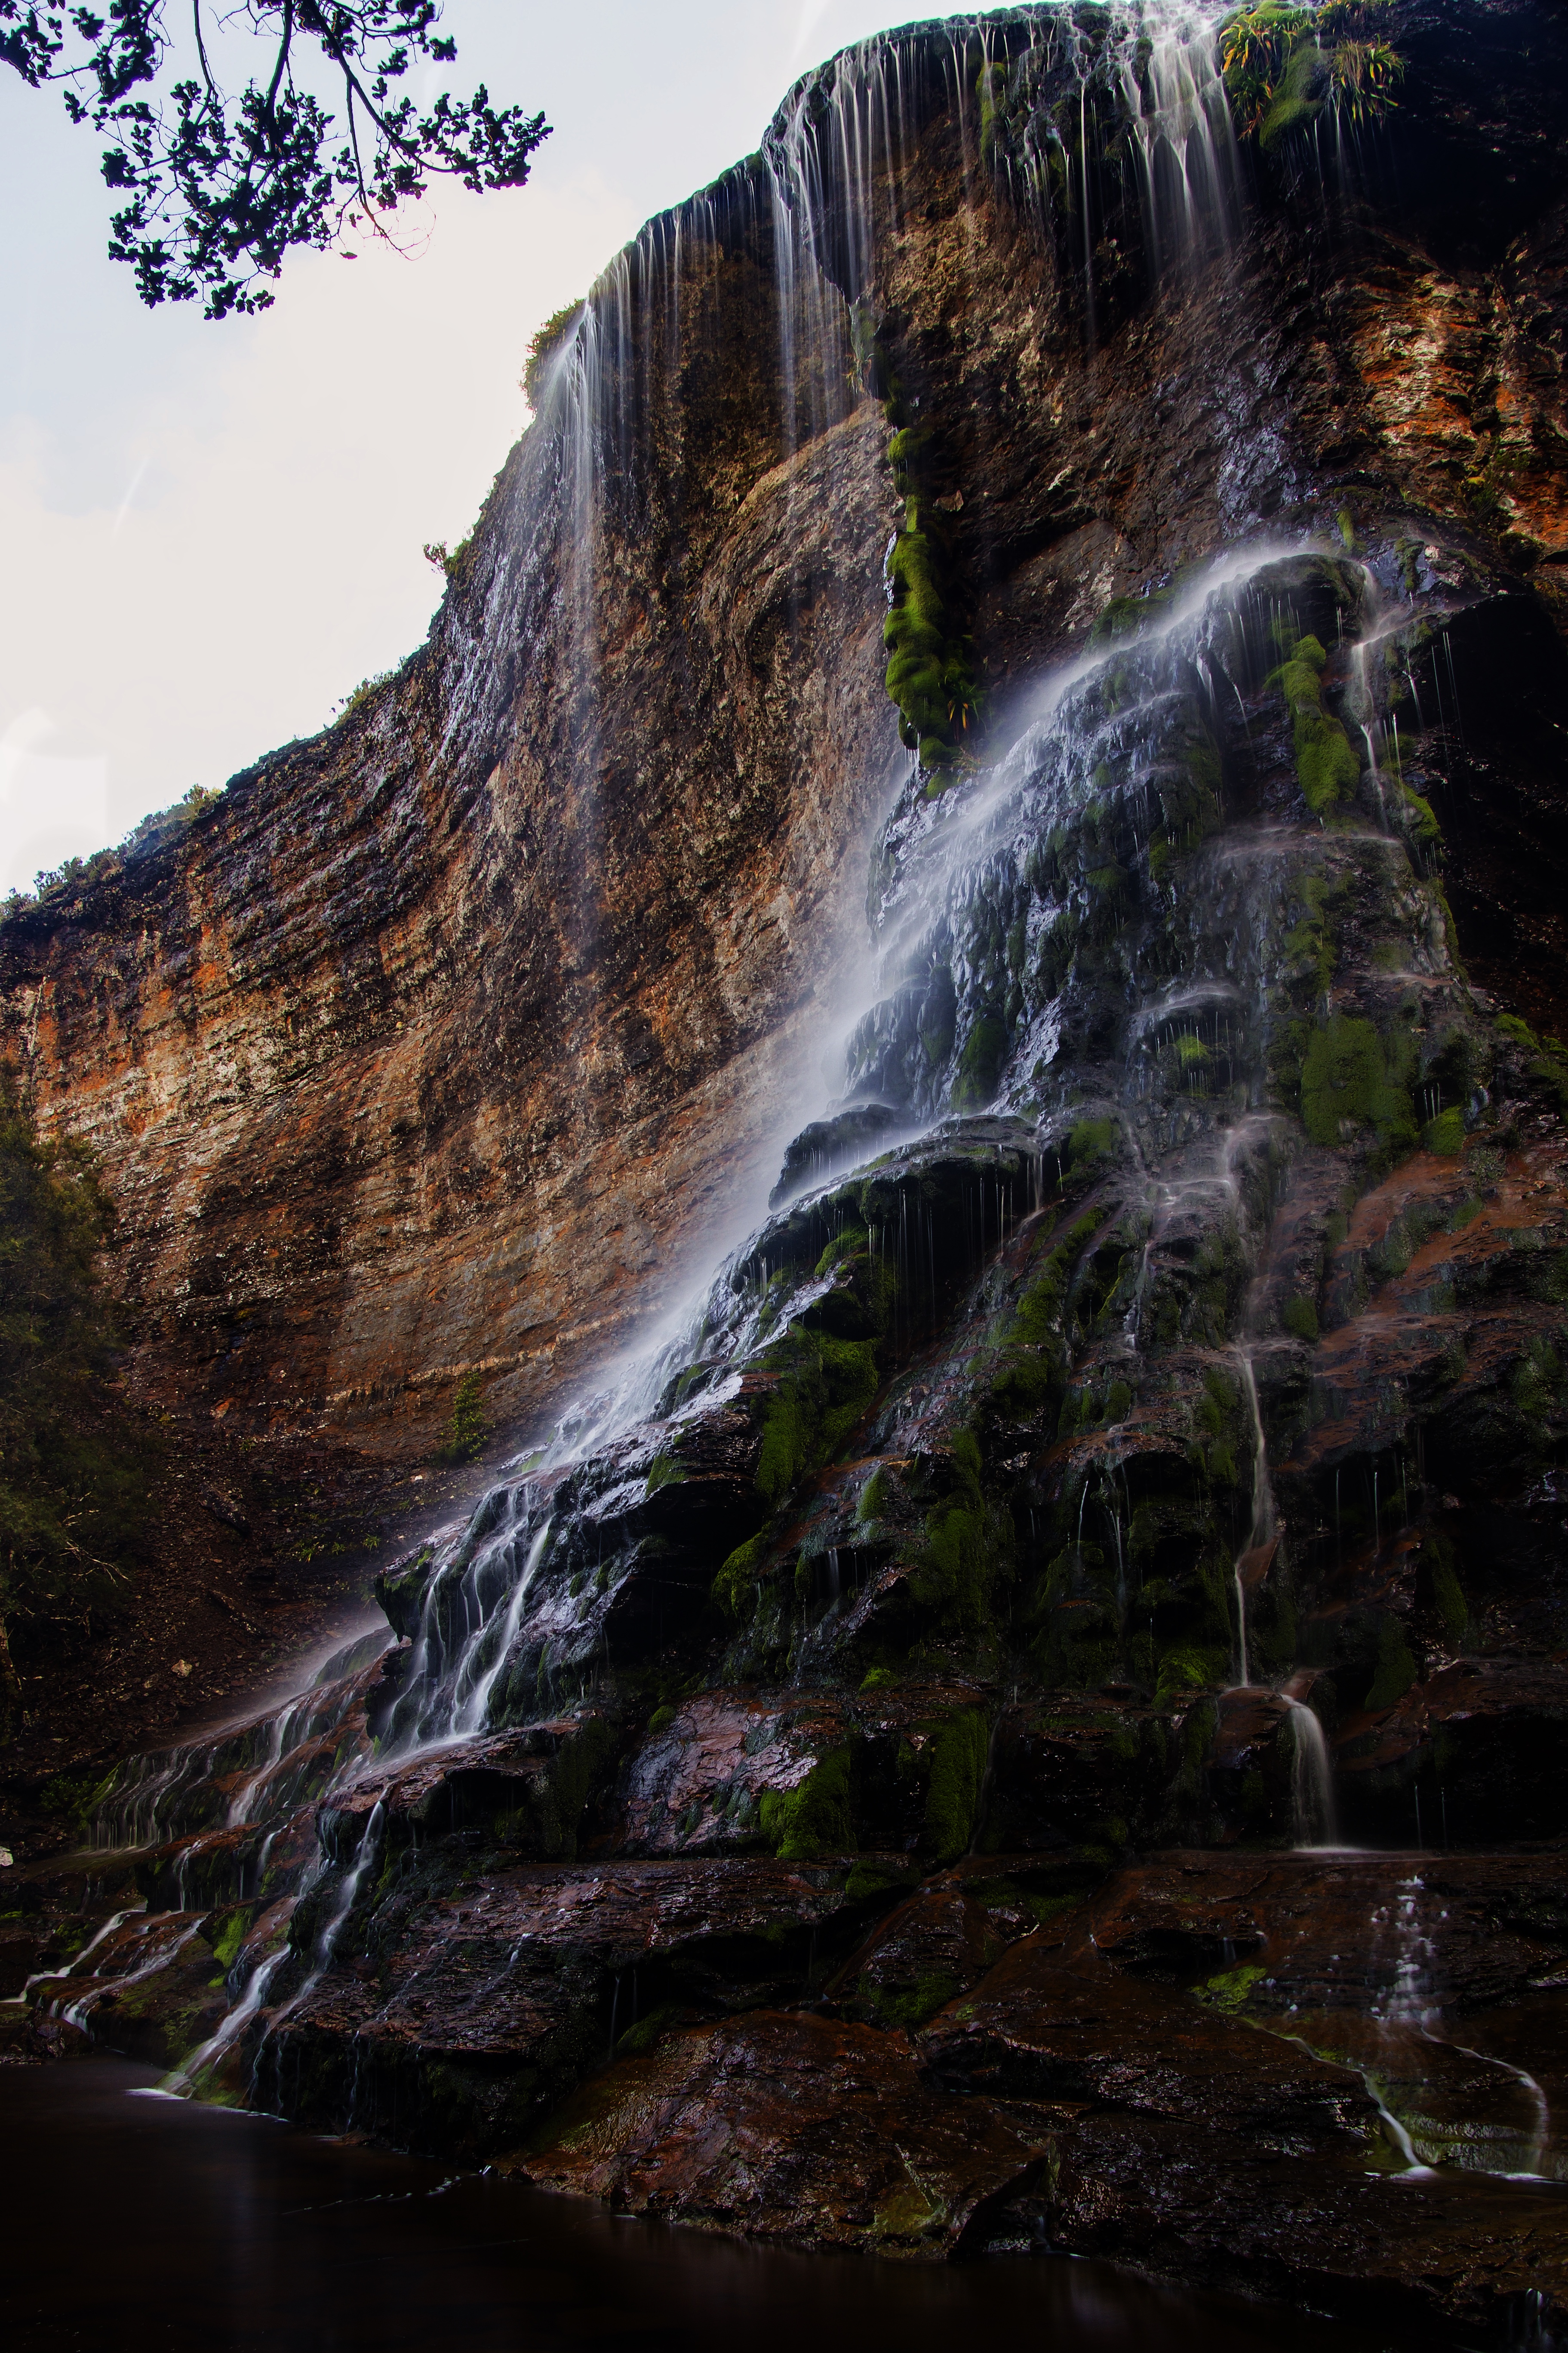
<point x="1036" y="1719"/>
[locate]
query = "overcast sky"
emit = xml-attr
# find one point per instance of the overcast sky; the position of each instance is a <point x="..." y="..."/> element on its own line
<point x="209" y="533"/>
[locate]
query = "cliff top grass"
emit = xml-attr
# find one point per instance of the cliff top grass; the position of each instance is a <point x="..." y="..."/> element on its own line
<point x="56" y="885"/>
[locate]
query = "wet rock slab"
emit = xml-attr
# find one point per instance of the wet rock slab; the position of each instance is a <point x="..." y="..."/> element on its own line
<point x="813" y="2130"/>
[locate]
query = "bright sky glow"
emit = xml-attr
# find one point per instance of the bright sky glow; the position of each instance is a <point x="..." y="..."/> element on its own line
<point x="211" y="533"/>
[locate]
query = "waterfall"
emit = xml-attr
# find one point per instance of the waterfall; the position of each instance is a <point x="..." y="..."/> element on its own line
<point x="1265" y="1521"/>
<point x="1314" y="1811"/>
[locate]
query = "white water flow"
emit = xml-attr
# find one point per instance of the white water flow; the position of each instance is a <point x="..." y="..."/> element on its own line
<point x="1416" y="2168"/>
<point x="162" y="1951"/>
<point x="322" y="1957"/>
<point x="1265" y="1519"/>
<point x="1315" y="1815"/>
<point x="187" y="2077"/>
<point x="68" y="1969"/>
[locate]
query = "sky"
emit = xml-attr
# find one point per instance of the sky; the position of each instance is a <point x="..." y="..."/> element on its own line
<point x="210" y="532"/>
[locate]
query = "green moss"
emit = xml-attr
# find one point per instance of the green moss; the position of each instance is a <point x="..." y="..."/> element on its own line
<point x="980" y="1065"/>
<point x="1301" y="1317"/>
<point x="1446" y="1591"/>
<point x="958" y="1757"/>
<point x="665" y="1471"/>
<point x="930" y="673"/>
<point x="647" y="2031"/>
<point x="968" y="1544"/>
<point x="911" y="2008"/>
<point x="814" y="1818"/>
<point x="1229" y="1990"/>
<point x="1537" y="1381"/>
<point x="880" y="1679"/>
<point x="735" y="1587"/>
<point x="1326" y="766"/>
<point x="874" y="1495"/>
<point x="1395" y="1670"/>
<point x="1446" y="1134"/>
<point x="848" y="1244"/>
<point x="1091" y="1141"/>
<point x="74" y="1796"/>
<point x="824" y="1386"/>
<point x="663" y="1717"/>
<point x="1422" y="823"/>
<point x="1518" y="1031"/>
<point x="231" y="1927"/>
<point x="1125" y="616"/>
<point x="991" y="88"/>
<point x="1183" y="1667"/>
<point x="1349" y="1074"/>
<point x="871" y="1879"/>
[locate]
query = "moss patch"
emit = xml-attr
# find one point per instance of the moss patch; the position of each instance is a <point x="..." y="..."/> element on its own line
<point x="814" y="1819"/>
<point x="959" y="1753"/>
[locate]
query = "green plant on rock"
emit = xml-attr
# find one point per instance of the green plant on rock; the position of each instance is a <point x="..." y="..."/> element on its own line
<point x="1352" y="1078"/>
<point x="875" y="1497"/>
<point x="968" y="1545"/>
<point x="958" y="1761"/>
<point x="1447" y="1593"/>
<point x="735" y="1587"/>
<point x="824" y="1385"/>
<point x="930" y="671"/>
<point x="1396" y="1669"/>
<point x="1283" y="66"/>
<point x="466" y="1431"/>
<point x="543" y="344"/>
<point x="1033" y="1351"/>
<point x="814" y="1818"/>
<point x="1184" y="1667"/>
<point x="665" y="1471"/>
<point x="1326" y="766"/>
<point x="991" y="88"/>
<point x="980" y="1064"/>
<point x="912" y="2007"/>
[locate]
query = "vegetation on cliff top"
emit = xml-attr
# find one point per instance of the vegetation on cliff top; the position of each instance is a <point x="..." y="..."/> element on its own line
<point x="1283" y="66"/>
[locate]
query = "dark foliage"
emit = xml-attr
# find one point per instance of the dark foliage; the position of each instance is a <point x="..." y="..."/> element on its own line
<point x="218" y="184"/>
<point x="72" y="1488"/>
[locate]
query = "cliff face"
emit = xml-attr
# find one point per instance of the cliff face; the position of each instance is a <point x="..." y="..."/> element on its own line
<point x="1046" y="1696"/>
<point x="424" y="1047"/>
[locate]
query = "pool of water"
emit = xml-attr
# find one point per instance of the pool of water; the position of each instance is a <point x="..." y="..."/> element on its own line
<point x="135" y="2221"/>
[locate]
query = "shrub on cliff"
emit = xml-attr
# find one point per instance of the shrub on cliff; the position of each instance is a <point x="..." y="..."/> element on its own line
<point x="463" y="1439"/>
<point x="72" y="1488"/>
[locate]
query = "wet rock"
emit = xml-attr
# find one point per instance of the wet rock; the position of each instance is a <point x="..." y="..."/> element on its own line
<point x="793" y="2127"/>
<point x="829" y="1145"/>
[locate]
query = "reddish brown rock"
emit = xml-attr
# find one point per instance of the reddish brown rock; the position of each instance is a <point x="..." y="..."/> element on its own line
<point x="790" y="2127"/>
